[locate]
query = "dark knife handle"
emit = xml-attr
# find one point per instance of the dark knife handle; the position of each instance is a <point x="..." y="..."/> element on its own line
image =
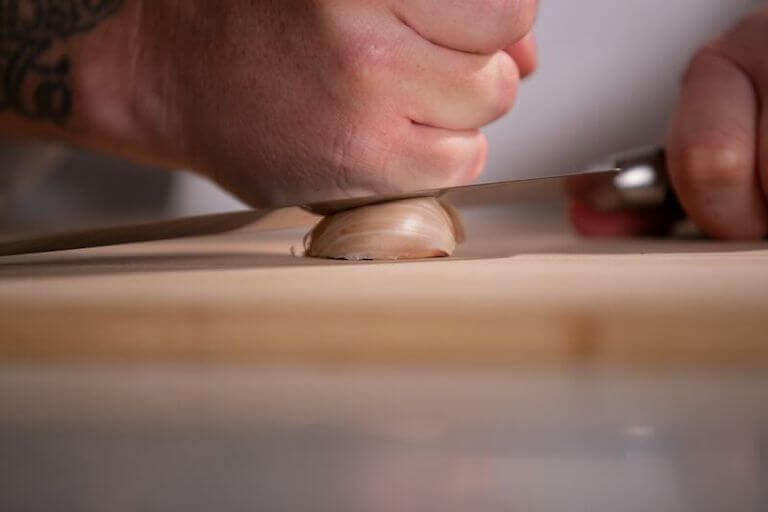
<point x="642" y="182"/>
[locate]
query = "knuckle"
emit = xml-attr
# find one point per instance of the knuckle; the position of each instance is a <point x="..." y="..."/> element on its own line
<point x="362" y="56"/>
<point x="506" y="21"/>
<point x="711" y="166"/>
<point x="703" y="61"/>
<point x="493" y="89"/>
<point x="461" y="162"/>
<point x="505" y="83"/>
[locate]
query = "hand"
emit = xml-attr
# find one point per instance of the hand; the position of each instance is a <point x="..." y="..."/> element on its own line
<point x="283" y="101"/>
<point x="717" y="144"/>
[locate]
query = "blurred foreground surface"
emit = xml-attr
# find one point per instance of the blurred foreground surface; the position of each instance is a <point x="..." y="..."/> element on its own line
<point x="242" y="438"/>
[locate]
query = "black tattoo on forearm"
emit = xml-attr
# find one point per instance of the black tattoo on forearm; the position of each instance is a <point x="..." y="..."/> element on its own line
<point x="34" y="78"/>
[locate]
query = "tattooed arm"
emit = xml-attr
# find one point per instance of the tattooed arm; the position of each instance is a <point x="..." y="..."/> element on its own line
<point x="66" y="73"/>
<point x="36" y="72"/>
<point x="277" y="100"/>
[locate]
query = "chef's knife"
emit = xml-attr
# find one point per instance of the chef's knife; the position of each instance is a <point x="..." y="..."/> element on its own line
<point x="630" y="180"/>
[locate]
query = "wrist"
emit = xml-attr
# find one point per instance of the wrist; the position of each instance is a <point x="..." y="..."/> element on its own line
<point x="80" y="78"/>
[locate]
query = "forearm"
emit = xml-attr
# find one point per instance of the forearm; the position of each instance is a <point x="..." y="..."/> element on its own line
<point x="70" y="71"/>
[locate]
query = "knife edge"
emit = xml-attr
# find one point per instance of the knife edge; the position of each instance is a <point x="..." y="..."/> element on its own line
<point x="202" y="225"/>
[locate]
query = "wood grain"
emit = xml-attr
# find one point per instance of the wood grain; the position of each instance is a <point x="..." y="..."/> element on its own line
<point x="523" y="291"/>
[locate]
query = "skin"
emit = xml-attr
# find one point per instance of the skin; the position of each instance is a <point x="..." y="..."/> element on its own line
<point x="717" y="144"/>
<point x="284" y="101"/>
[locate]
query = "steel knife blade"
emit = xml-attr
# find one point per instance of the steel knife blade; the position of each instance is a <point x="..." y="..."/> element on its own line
<point x="510" y="190"/>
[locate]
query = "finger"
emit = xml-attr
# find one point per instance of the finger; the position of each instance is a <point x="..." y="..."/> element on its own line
<point x="745" y="46"/>
<point x="436" y="158"/>
<point x="585" y="187"/>
<point x="712" y="146"/>
<point x="593" y="223"/>
<point x="524" y="53"/>
<point x="459" y="91"/>
<point x="585" y="192"/>
<point x="480" y="26"/>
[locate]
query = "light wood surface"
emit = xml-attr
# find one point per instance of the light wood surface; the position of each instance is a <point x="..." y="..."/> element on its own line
<point x="533" y="371"/>
<point x="523" y="290"/>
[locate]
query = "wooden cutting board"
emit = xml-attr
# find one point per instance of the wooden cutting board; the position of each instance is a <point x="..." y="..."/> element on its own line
<point x="523" y="290"/>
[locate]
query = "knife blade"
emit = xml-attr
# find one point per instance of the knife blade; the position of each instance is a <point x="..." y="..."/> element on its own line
<point x="508" y="191"/>
<point x="201" y="225"/>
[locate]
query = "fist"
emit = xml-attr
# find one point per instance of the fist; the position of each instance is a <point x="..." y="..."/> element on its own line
<point x="717" y="144"/>
<point x="283" y="101"/>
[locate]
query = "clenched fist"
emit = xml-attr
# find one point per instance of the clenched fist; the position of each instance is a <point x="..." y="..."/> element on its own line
<point x="282" y="101"/>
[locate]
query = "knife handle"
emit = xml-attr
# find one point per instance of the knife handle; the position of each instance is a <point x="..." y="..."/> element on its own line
<point x="642" y="182"/>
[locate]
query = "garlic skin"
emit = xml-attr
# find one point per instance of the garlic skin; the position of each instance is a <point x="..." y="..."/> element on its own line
<point x="406" y="229"/>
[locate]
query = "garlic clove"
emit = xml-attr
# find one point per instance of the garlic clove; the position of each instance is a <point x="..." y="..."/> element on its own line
<point x="459" y="232"/>
<point x="406" y="229"/>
